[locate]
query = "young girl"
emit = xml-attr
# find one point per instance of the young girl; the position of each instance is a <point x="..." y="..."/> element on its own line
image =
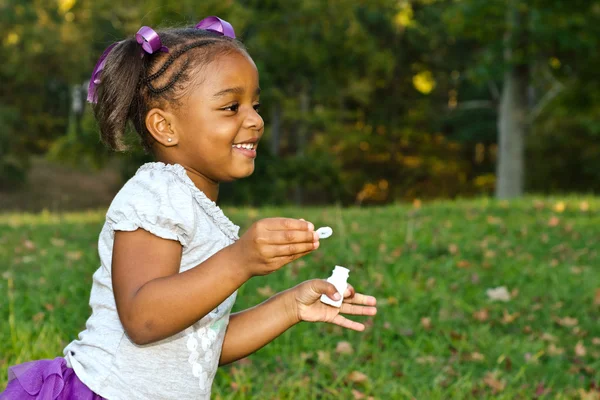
<point x="171" y="261"/>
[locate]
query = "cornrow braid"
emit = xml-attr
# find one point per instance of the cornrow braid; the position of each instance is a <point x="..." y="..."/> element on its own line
<point x="174" y="57"/>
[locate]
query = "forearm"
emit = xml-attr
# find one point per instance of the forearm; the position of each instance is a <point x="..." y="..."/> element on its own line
<point x="165" y="306"/>
<point x="253" y="328"/>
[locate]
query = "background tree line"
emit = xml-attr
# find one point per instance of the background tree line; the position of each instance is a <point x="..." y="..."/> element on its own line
<point x="366" y="101"/>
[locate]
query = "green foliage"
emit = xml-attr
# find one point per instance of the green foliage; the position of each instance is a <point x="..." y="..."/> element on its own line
<point x="419" y="69"/>
<point x="438" y="334"/>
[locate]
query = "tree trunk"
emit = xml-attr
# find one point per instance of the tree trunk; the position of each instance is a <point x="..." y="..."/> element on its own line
<point x="513" y="108"/>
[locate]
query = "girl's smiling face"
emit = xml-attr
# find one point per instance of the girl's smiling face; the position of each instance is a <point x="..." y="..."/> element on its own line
<point x="218" y="126"/>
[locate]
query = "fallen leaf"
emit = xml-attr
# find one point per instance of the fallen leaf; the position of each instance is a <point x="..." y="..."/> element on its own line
<point x="555" y="351"/>
<point x="453" y="249"/>
<point x="74" y="255"/>
<point x="344" y="348"/>
<point x="426" y="323"/>
<point x="576" y="270"/>
<point x="548" y="337"/>
<point x="553" y="221"/>
<point x="324" y="357"/>
<point x="481" y="315"/>
<point x="580" y="349"/>
<point x="597" y="297"/>
<point x="591" y="395"/>
<point x="493" y="382"/>
<point x="584" y="206"/>
<point x="508" y="318"/>
<point x="28" y="244"/>
<point x="566" y="321"/>
<point x="265" y="291"/>
<point x="357" y="377"/>
<point x="430" y="283"/>
<point x="56" y="242"/>
<point x="475" y="356"/>
<point x="498" y="294"/>
<point x="559" y="207"/>
<point x="359" y="395"/>
<point x="426" y="360"/>
<point x="596" y="341"/>
<point x="463" y="264"/>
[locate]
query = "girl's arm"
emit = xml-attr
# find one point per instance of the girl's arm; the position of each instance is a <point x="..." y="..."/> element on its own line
<point x="155" y="301"/>
<point x="252" y="329"/>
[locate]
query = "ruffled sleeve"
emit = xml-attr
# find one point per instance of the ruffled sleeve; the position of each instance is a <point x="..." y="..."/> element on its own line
<point x="157" y="202"/>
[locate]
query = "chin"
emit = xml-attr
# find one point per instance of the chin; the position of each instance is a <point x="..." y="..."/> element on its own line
<point x="239" y="175"/>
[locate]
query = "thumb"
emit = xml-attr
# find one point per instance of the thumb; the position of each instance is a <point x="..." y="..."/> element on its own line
<point x="321" y="286"/>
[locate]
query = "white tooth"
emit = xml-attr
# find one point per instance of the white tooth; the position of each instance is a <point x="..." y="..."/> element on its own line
<point x="239" y="146"/>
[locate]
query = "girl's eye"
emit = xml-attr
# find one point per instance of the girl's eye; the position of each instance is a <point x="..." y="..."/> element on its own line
<point x="233" y="107"/>
<point x="257" y="107"/>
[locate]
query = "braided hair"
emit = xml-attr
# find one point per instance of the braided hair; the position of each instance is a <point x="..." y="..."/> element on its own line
<point x="133" y="84"/>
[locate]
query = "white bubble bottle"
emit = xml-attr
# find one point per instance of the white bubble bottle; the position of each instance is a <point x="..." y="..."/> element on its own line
<point x="339" y="279"/>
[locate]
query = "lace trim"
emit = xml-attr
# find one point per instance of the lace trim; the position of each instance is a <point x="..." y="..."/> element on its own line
<point x="210" y="207"/>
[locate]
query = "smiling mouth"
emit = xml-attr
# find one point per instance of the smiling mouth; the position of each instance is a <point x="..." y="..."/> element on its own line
<point x="247" y="146"/>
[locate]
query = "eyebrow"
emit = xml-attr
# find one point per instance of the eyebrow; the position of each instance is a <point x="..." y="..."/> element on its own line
<point x="235" y="90"/>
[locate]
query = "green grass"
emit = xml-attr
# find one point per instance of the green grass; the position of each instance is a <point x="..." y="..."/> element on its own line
<point x="437" y="334"/>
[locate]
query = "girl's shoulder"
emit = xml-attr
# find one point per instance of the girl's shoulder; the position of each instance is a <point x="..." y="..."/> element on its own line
<point x="165" y="194"/>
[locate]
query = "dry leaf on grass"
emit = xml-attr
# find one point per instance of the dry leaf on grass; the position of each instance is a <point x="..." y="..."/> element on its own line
<point x="498" y="294"/>
<point x="359" y="395"/>
<point x="357" y="377"/>
<point x="580" y="349"/>
<point x="493" y="382"/>
<point x="265" y="291"/>
<point x="426" y="323"/>
<point x="481" y="315"/>
<point x="566" y="321"/>
<point x="344" y="348"/>
<point x="555" y="351"/>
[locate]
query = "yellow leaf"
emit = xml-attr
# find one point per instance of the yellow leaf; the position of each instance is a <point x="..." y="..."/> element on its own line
<point x="559" y="207"/>
<point x="404" y="16"/>
<point x="424" y="82"/>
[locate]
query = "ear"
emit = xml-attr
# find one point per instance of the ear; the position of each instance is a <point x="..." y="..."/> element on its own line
<point x="158" y="123"/>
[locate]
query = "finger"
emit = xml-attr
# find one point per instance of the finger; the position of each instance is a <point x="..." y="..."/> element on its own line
<point x="286" y="250"/>
<point x="349" y="291"/>
<point x="353" y="309"/>
<point x="284" y="224"/>
<point x="286" y="237"/>
<point x="346" y="323"/>
<point x="311" y="227"/>
<point x="361" y="299"/>
<point x="321" y="286"/>
<point x="288" y="259"/>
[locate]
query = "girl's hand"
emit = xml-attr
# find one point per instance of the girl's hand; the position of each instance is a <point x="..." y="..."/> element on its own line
<point x="271" y="243"/>
<point x="308" y="306"/>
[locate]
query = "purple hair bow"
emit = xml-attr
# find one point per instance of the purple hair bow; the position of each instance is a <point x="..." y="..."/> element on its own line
<point x="218" y="25"/>
<point x="145" y="36"/>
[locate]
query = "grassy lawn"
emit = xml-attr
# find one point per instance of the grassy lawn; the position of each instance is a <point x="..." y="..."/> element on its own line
<point x="439" y="332"/>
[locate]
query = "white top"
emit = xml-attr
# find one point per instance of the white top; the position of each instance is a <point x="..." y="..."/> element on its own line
<point x="163" y="200"/>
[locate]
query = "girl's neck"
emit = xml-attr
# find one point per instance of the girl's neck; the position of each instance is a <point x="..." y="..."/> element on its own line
<point x="206" y="185"/>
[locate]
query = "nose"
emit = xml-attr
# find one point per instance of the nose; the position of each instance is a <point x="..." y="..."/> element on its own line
<point x="254" y="121"/>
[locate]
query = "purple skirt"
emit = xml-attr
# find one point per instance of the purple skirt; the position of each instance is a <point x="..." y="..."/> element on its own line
<point x="45" y="380"/>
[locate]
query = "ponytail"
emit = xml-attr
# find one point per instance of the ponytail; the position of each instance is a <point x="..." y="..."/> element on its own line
<point x="118" y="91"/>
